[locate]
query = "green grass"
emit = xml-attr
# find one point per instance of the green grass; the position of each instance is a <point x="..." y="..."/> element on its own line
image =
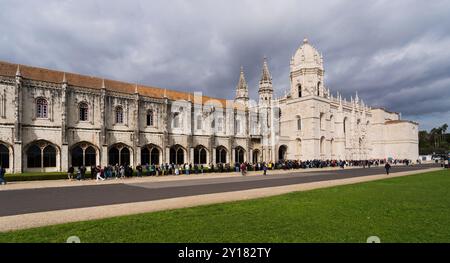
<point x="406" y="209"/>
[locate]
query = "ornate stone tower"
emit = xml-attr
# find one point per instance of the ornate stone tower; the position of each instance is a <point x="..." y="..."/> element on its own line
<point x="307" y="72"/>
<point x="242" y="89"/>
<point x="265" y="86"/>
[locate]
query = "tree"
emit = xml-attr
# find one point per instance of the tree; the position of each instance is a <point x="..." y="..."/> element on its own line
<point x="436" y="141"/>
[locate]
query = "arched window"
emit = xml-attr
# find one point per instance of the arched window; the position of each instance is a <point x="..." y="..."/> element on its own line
<point x="299" y="91"/>
<point x="90" y="157"/>
<point x="77" y="156"/>
<point x="200" y="155"/>
<point x="150" y="155"/>
<point x="299" y="123"/>
<point x="239" y="155"/>
<point x="4" y="156"/>
<point x="49" y="156"/>
<point x="83" y="111"/>
<point x="119" y="154"/>
<point x="83" y="155"/>
<point x="145" y="156"/>
<point x="34" y="156"/>
<point x="154" y="156"/>
<point x="318" y="88"/>
<point x="41" y="108"/>
<point x="119" y="114"/>
<point x="125" y="156"/>
<point x="322" y="121"/>
<point x="221" y="154"/>
<point x="282" y="152"/>
<point x="113" y="156"/>
<point x="176" y="154"/>
<point x="150" y="118"/>
<point x="322" y="145"/>
<point x="255" y="156"/>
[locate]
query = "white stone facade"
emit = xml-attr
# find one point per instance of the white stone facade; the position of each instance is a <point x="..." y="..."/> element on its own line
<point x="51" y="120"/>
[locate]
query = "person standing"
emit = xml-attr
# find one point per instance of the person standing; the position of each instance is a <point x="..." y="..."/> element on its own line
<point x="70" y="173"/>
<point x="243" y="169"/>
<point x="139" y="170"/>
<point x="177" y="170"/>
<point x="98" y="172"/>
<point x="83" y="172"/>
<point x="187" y="168"/>
<point x="2" y="175"/>
<point x="387" y="166"/>
<point x="264" y="166"/>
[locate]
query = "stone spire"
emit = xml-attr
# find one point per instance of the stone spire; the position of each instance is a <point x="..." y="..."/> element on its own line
<point x="242" y="88"/>
<point x="242" y="84"/>
<point x="265" y="78"/>
<point x="265" y="85"/>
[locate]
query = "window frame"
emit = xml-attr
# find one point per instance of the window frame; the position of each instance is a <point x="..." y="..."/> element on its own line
<point x="83" y="105"/>
<point x="118" y="119"/>
<point x="41" y="108"/>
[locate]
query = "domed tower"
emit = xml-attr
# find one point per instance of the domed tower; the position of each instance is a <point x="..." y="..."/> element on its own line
<point x="265" y="86"/>
<point x="242" y="89"/>
<point x="306" y="72"/>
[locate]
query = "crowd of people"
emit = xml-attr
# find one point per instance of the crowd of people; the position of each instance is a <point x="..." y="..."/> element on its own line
<point x="125" y="171"/>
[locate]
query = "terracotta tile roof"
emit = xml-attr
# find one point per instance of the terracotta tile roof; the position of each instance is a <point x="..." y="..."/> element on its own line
<point x="53" y="76"/>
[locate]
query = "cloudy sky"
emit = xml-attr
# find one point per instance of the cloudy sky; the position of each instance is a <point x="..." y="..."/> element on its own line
<point x="396" y="54"/>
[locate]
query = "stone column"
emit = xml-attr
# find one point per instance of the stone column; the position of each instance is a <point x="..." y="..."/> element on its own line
<point x="64" y="158"/>
<point x="233" y="155"/>
<point x="167" y="155"/>
<point x="104" y="155"/>
<point x="138" y="156"/>
<point x="18" y="158"/>
<point x="250" y="160"/>
<point x="191" y="155"/>
<point x="213" y="156"/>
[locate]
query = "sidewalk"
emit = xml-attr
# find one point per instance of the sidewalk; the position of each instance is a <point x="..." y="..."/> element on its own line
<point x="147" y="179"/>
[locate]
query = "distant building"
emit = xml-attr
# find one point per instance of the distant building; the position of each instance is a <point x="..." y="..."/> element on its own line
<point x="50" y="120"/>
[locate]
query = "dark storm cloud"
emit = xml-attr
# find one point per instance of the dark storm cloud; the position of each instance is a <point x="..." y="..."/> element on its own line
<point x="394" y="53"/>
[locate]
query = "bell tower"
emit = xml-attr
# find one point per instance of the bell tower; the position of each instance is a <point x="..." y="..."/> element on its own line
<point x="265" y="86"/>
<point x="242" y="89"/>
<point x="307" y="72"/>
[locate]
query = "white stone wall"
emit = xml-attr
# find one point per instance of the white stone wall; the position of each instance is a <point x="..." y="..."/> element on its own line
<point x="260" y="129"/>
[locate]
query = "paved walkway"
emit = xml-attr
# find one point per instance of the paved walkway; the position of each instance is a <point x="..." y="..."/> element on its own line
<point x="45" y="206"/>
<point x="70" y="183"/>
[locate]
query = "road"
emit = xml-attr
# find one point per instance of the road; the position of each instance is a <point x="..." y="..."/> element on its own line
<point x="16" y="202"/>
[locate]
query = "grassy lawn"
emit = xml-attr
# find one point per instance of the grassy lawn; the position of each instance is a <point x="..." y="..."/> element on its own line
<point x="407" y="209"/>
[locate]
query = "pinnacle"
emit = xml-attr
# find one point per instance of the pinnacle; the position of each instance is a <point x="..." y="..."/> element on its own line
<point x="266" y="73"/>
